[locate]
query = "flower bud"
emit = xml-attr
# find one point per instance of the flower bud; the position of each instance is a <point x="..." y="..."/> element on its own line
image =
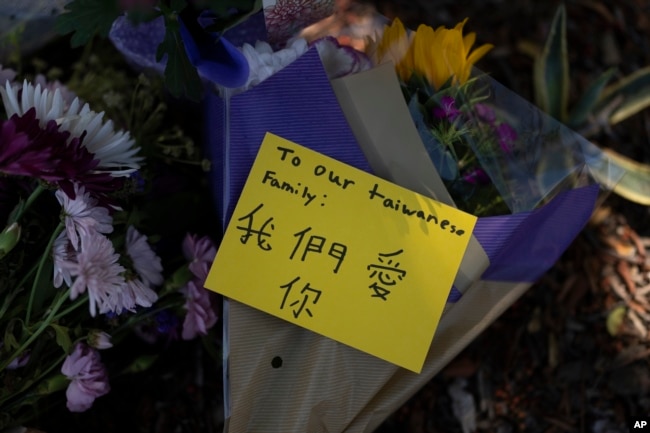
<point x="9" y="238"/>
<point x="99" y="340"/>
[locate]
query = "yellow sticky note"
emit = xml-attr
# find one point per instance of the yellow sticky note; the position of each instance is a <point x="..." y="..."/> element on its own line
<point x="341" y="252"/>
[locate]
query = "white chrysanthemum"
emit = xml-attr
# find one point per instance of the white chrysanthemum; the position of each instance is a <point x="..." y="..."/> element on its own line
<point x="264" y="62"/>
<point x="115" y="150"/>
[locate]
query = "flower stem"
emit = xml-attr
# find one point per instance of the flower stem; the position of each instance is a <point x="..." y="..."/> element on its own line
<point x="31" y="199"/>
<point x="39" y="270"/>
<point x="71" y="308"/>
<point x="43" y="326"/>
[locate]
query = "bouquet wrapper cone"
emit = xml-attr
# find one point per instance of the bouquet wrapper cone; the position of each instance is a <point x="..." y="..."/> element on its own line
<point x="322" y="385"/>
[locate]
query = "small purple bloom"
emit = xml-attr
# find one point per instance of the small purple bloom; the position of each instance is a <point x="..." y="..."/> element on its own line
<point x="447" y="109"/>
<point x="166" y="322"/>
<point x="200" y="253"/>
<point x="200" y="316"/>
<point x="485" y="113"/>
<point x="476" y="176"/>
<point x="19" y="362"/>
<point x="507" y="137"/>
<point x="89" y="378"/>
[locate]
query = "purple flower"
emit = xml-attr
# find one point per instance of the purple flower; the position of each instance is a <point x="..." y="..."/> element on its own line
<point x="507" y="137"/>
<point x="19" y="362"/>
<point x="200" y="316"/>
<point x="200" y="253"/>
<point x="476" y="176"/>
<point x="447" y="109"/>
<point x="20" y="155"/>
<point x="89" y="378"/>
<point x="163" y="324"/>
<point x="485" y="113"/>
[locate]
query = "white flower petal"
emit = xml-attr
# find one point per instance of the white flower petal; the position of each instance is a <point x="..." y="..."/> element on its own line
<point x="116" y="150"/>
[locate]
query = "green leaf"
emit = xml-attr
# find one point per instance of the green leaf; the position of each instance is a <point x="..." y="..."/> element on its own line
<point x="6" y="302"/>
<point x="634" y="91"/>
<point x="9" y="341"/>
<point x="551" y="72"/>
<point x="141" y="363"/>
<point x="635" y="183"/>
<point x="87" y="18"/>
<point x="181" y="77"/>
<point x="441" y="158"/>
<point x="52" y="384"/>
<point x="587" y="103"/>
<point x="62" y="337"/>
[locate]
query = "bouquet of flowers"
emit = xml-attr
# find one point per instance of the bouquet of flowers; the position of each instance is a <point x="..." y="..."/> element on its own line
<point x="88" y="268"/>
<point x="411" y="109"/>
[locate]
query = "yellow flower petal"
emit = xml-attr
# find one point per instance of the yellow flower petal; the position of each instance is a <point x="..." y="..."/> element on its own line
<point x="438" y="55"/>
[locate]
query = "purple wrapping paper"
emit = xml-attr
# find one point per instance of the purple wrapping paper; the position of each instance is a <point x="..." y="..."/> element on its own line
<point x="298" y="104"/>
<point x="537" y="239"/>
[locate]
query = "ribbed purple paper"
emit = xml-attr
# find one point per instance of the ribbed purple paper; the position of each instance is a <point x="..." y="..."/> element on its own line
<point x="523" y="246"/>
<point x="298" y="104"/>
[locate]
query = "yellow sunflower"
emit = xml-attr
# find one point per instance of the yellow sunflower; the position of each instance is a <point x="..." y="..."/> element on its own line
<point x="438" y="55"/>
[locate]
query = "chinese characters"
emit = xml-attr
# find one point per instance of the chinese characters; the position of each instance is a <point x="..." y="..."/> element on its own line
<point x="301" y="303"/>
<point x="385" y="274"/>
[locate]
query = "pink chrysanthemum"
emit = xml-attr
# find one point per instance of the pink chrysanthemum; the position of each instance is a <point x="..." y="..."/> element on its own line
<point x="145" y="262"/>
<point x="82" y="215"/>
<point x="200" y="316"/>
<point x="97" y="271"/>
<point x="65" y="259"/>
<point x="138" y="293"/>
<point x="200" y="253"/>
<point x="89" y="378"/>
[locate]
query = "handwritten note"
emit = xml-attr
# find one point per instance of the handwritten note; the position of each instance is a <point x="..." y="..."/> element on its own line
<point x="341" y="252"/>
